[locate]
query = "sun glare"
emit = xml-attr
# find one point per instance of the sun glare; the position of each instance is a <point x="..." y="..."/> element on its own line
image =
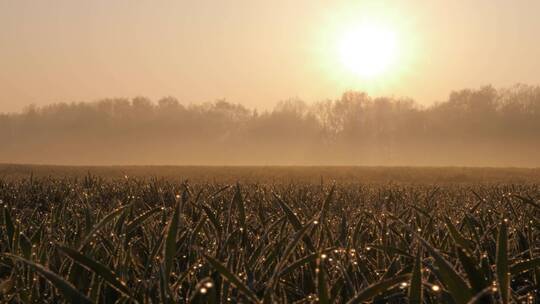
<point x="368" y="50"/>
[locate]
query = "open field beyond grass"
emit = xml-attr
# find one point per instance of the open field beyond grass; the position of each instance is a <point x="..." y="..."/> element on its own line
<point x="282" y="174"/>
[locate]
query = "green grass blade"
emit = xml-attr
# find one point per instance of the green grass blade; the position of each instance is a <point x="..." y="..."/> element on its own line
<point x="232" y="278"/>
<point x="213" y="219"/>
<point x="528" y="201"/>
<point x="520" y="267"/>
<point x="107" y="219"/>
<point x="10" y="228"/>
<point x="293" y="219"/>
<point x="237" y="199"/>
<point x="457" y="237"/>
<point x="64" y="287"/>
<point x="132" y="225"/>
<point x="26" y="245"/>
<point x="99" y="269"/>
<point x="293" y="243"/>
<point x="449" y="276"/>
<point x="377" y="289"/>
<point x="169" y="249"/>
<point x="322" y="288"/>
<point x="326" y="204"/>
<point x="475" y="276"/>
<point x="415" y="289"/>
<point x="503" y="277"/>
<point x="302" y="261"/>
<point x="295" y="222"/>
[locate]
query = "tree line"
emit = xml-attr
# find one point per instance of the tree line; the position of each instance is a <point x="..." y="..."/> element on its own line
<point x="473" y="127"/>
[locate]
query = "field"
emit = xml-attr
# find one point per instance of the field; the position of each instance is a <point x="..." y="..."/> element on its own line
<point x="272" y="235"/>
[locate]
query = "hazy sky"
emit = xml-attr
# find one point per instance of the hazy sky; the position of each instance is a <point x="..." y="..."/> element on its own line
<point x="256" y="52"/>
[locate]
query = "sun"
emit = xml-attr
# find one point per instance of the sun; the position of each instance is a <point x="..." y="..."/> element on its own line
<point x="368" y="50"/>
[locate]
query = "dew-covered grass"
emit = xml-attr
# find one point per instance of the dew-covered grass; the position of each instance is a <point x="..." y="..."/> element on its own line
<point x="130" y="240"/>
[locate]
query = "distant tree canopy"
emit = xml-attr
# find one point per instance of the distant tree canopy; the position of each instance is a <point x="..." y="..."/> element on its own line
<point x="480" y="127"/>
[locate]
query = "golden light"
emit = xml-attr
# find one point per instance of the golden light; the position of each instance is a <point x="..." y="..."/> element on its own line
<point x="368" y="50"/>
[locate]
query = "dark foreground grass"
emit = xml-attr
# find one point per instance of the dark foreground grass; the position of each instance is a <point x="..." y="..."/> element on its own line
<point x="128" y="240"/>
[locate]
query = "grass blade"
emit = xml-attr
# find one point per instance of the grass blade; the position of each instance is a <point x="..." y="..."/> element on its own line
<point x="322" y="288"/>
<point x="232" y="278"/>
<point x="302" y="261"/>
<point x="237" y="199"/>
<point x="295" y="222"/>
<point x="213" y="219"/>
<point x="457" y="237"/>
<point x="64" y="287"/>
<point x="108" y="218"/>
<point x="326" y="204"/>
<point x="131" y="226"/>
<point x="475" y="276"/>
<point x="377" y="289"/>
<point x="520" y="267"/>
<point x="169" y="249"/>
<point x="10" y="228"/>
<point x="99" y="269"/>
<point x="449" y="276"/>
<point x="415" y="289"/>
<point x="503" y="277"/>
<point x="290" y="247"/>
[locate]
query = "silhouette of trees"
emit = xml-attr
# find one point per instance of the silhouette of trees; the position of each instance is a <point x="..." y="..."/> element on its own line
<point x="485" y="126"/>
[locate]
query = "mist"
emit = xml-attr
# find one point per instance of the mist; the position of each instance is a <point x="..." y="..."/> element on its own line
<point x="472" y="127"/>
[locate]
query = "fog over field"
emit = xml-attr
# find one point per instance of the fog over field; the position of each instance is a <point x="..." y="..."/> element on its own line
<point x="473" y="127"/>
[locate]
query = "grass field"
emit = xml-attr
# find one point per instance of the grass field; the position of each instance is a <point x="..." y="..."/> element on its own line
<point x="284" y="174"/>
<point x="279" y="235"/>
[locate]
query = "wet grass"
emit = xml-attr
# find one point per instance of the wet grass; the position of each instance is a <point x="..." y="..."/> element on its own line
<point x="129" y="240"/>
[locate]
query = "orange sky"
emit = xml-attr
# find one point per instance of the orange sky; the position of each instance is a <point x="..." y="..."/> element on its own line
<point x="255" y="52"/>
